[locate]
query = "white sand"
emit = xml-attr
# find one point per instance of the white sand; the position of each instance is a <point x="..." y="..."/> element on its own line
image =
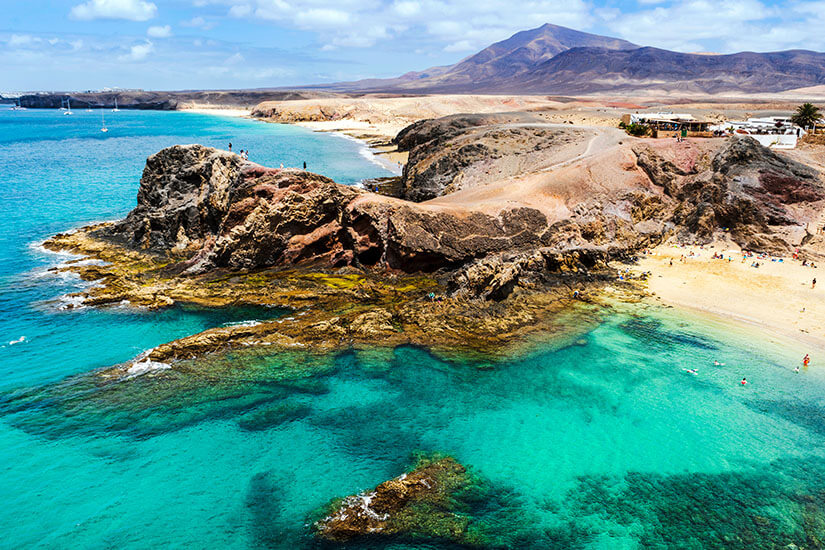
<point x="238" y="113"/>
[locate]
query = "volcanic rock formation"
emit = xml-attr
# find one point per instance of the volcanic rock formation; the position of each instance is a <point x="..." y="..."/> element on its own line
<point x="205" y="209"/>
<point x="211" y="209"/>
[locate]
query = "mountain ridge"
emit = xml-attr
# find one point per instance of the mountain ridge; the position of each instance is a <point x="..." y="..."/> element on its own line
<point x="557" y="60"/>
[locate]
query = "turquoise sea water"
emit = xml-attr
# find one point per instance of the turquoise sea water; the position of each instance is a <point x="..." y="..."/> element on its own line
<point x="603" y="443"/>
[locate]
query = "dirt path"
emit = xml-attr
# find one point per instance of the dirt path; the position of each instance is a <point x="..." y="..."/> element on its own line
<point x="535" y="189"/>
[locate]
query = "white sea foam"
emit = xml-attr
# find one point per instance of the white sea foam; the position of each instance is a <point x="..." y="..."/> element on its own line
<point x="146" y="366"/>
<point x="249" y="323"/>
<point x="365" y="151"/>
<point x="71" y="301"/>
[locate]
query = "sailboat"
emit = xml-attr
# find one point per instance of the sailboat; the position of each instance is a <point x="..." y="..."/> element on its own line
<point x="18" y="107"/>
<point x="69" y="110"/>
<point x="62" y="105"/>
<point x="115" y="109"/>
<point x="103" y="128"/>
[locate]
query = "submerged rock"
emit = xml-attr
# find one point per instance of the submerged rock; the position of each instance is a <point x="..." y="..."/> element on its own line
<point x="420" y="503"/>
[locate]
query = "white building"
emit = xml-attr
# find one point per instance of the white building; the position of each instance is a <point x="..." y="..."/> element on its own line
<point x="775" y="131"/>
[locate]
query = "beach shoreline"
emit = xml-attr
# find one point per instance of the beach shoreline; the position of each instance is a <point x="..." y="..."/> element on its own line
<point x="374" y="137"/>
<point x="776" y="296"/>
<point x="217" y="111"/>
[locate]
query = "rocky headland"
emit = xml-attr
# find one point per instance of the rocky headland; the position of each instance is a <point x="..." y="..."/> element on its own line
<point x="477" y="268"/>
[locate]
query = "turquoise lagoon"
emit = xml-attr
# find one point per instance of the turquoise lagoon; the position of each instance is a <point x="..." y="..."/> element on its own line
<point x="601" y="440"/>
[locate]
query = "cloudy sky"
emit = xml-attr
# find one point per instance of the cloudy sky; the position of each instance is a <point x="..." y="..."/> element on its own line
<point x="189" y="44"/>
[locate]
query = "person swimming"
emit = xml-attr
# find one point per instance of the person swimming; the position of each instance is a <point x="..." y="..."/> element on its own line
<point x="796" y="369"/>
<point x="718" y="364"/>
<point x="806" y="360"/>
<point x="744" y="381"/>
<point x="694" y="372"/>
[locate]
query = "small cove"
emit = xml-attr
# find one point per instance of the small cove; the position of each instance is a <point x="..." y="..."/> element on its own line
<point x="600" y="441"/>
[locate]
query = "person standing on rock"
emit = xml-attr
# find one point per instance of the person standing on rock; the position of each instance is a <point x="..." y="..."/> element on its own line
<point x="230" y="146"/>
<point x="305" y="165"/>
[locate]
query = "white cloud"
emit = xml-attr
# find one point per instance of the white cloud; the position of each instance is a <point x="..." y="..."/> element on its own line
<point x="435" y="24"/>
<point x="17" y="40"/>
<point x="138" y="52"/>
<point x="158" y="31"/>
<point x="198" y="22"/>
<point x="234" y="59"/>
<point x="319" y="18"/>
<point x="685" y="24"/>
<point x="132" y="10"/>
<point x="194" y="22"/>
<point x="240" y="10"/>
<point x="407" y="8"/>
<point x="460" y="46"/>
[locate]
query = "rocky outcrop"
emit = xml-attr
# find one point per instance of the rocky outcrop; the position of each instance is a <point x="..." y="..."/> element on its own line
<point x="495" y="277"/>
<point x="462" y="151"/>
<point x="763" y="199"/>
<point x="419" y="504"/>
<point x="210" y="209"/>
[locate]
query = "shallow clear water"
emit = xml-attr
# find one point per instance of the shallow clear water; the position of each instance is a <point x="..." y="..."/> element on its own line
<point x="605" y="443"/>
<point x="58" y="172"/>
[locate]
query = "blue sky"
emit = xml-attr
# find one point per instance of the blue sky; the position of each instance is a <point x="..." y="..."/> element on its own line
<point x="188" y="44"/>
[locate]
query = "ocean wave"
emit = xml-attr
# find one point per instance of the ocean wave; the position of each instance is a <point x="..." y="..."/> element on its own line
<point x="144" y="367"/>
<point x="71" y="302"/>
<point x="365" y="151"/>
<point x="249" y="323"/>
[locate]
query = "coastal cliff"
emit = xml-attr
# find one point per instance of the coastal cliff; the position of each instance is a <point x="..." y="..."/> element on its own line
<point x="456" y="272"/>
<point x="209" y="209"/>
<point x="764" y="200"/>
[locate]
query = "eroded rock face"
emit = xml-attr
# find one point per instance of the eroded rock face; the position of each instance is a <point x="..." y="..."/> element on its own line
<point x="759" y="196"/>
<point x="211" y="209"/>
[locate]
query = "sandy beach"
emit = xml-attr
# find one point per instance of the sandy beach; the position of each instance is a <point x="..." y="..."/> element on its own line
<point x="776" y="296"/>
<point x="217" y="111"/>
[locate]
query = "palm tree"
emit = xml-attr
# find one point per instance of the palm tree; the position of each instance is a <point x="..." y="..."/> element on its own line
<point x="806" y="115"/>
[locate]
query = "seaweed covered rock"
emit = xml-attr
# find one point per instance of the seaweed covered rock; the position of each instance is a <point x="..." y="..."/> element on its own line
<point x="420" y="503"/>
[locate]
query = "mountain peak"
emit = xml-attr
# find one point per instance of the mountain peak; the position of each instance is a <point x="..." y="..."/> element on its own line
<point x="518" y="54"/>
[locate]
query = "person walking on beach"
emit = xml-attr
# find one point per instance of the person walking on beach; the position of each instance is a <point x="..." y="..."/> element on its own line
<point x="813" y="283"/>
